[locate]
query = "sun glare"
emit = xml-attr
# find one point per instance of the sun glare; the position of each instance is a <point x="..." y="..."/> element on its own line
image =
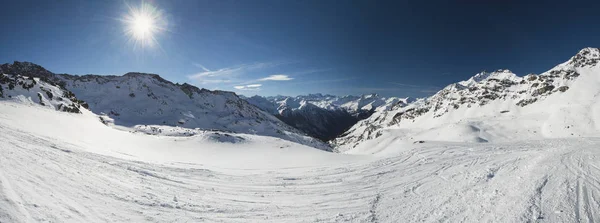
<point x="142" y="27"/>
<point x="143" y="24"/>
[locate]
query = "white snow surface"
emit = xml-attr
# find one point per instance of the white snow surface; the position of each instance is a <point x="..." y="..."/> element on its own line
<point x="139" y="98"/>
<point x="63" y="167"/>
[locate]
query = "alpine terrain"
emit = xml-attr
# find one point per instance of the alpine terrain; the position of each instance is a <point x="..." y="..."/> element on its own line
<point x="498" y="147"/>
<point x="323" y="116"/>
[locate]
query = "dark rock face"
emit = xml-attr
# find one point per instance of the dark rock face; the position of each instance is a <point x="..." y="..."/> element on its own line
<point x="31" y="70"/>
<point x="320" y="123"/>
<point x="322" y="116"/>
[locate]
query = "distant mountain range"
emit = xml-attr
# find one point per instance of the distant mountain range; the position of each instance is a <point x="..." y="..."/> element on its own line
<point x="324" y="116"/>
<point x="490" y="106"/>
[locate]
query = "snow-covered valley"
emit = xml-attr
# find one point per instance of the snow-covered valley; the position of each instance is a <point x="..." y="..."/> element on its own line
<point x="494" y="148"/>
<point x="66" y="167"/>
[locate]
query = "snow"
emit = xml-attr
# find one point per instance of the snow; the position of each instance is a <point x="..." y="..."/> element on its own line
<point x="492" y="160"/>
<point x="139" y="98"/>
<point x="70" y="167"/>
<point x="497" y="107"/>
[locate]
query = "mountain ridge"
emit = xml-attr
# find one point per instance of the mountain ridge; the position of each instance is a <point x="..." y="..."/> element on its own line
<point x="484" y="94"/>
<point x="147" y="99"/>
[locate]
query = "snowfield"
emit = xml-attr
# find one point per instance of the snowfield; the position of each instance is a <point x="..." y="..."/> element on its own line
<point x="62" y="167"/>
<point x="494" y="148"/>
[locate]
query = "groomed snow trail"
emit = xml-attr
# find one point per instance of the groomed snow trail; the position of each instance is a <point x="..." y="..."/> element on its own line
<point x="56" y="179"/>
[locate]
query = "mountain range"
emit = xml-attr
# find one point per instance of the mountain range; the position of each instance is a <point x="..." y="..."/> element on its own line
<point x="138" y="99"/>
<point x="323" y="116"/>
<point x="140" y="148"/>
<point x="496" y="106"/>
<point x="147" y="99"/>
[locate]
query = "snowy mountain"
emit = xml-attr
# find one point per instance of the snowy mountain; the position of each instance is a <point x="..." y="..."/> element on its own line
<point x="541" y="134"/>
<point x="34" y="91"/>
<point x="61" y="167"/>
<point x="147" y="99"/>
<point x="322" y="116"/>
<point x="465" y="111"/>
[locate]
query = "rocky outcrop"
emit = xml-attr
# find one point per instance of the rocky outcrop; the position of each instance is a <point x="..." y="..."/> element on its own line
<point x="34" y="90"/>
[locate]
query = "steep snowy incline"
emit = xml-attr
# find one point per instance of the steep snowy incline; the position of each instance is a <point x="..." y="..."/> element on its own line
<point x="57" y="167"/>
<point x="147" y="99"/>
<point x="497" y="106"/>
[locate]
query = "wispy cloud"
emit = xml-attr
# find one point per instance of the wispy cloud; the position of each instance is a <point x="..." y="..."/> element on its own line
<point x="249" y="87"/>
<point x="276" y="77"/>
<point x="228" y="74"/>
<point x="201" y="67"/>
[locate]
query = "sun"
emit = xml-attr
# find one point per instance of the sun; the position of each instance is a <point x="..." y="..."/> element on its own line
<point x="142" y="27"/>
<point x="142" y="24"/>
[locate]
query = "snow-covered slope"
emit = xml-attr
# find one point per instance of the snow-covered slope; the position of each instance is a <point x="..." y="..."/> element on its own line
<point x="33" y="91"/>
<point x="497" y="106"/>
<point x="322" y="116"/>
<point x="62" y="167"/>
<point x="147" y="99"/>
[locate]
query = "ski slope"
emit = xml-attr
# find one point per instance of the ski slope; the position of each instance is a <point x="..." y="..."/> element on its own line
<point x="62" y="167"/>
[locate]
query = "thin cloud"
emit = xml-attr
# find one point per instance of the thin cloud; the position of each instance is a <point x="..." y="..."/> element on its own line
<point x="276" y="77"/>
<point x="201" y="67"/>
<point x="228" y="74"/>
<point x="249" y="87"/>
<point x="216" y="81"/>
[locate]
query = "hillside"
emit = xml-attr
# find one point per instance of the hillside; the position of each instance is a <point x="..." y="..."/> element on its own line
<point x="497" y="107"/>
<point x="147" y="99"/>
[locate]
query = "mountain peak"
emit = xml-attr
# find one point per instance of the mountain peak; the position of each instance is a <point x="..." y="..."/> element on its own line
<point x="137" y="74"/>
<point x="499" y="74"/>
<point x="154" y="76"/>
<point x="25" y="69"/>
<point x="586" y="57"/>
<point x="588" y="51"/>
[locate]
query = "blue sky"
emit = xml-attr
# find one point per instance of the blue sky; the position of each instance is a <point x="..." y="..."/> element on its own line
<point x="298" y="47"/>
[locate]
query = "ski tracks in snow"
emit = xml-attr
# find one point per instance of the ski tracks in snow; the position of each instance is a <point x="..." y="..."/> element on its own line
<point x="48" y="180"/>
<point x="583" y="165"/>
